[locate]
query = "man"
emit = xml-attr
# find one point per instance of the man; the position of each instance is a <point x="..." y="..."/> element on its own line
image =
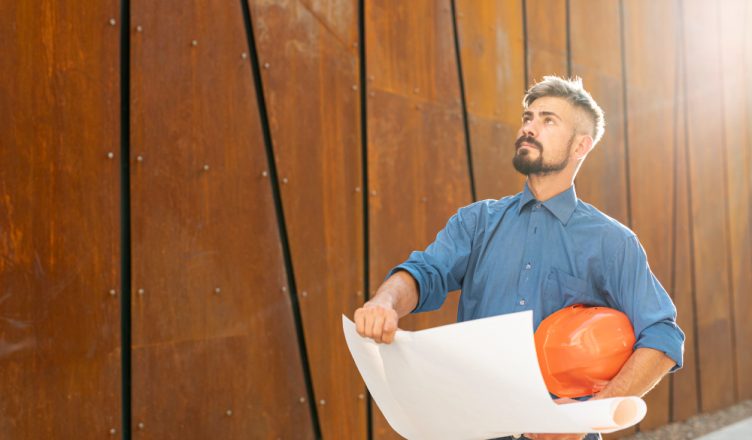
<point x="541" y="250"/>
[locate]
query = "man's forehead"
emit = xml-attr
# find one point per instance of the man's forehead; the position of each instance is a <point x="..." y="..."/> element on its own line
<point x="554" y="104"/>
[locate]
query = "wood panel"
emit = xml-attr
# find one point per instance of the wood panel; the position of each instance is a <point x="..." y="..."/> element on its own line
<point x="546" y="27"/>
<point x="684" y="396"/>
<point x="651" y="77"/>
<point x="60" y="363"/>
<point x="417" y="159"/>
<point x="737" y="116"/>
<point x="708" y="204"/>
<point x="215" y="352"/>
<point x="312" y="91"/>
<point x="597" y="58"/>
<point x="492" y="47"/>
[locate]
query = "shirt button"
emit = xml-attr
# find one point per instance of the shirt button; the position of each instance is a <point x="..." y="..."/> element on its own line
<point x="537" y="205"/>
<point x="522" y="302"/>
<point x="528" y="266"/>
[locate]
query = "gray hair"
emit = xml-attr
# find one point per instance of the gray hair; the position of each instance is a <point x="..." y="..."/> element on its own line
<point x="572" y="90"/>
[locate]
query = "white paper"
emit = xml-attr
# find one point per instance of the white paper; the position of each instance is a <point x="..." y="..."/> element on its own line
<point x="475" y="380"/>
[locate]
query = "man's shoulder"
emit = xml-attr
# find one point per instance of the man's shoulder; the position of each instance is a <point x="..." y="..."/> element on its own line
<point x="492" y="205"/>
<point x="609" y="227"/>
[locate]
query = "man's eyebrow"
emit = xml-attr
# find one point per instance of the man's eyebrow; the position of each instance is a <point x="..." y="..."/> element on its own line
<point x="543" y="113"/>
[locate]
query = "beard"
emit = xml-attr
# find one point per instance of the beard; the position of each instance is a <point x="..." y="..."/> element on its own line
<point x="523" y="164"/>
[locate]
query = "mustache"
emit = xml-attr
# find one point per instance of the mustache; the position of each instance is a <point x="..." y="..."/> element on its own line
<point x="528" y="140"/>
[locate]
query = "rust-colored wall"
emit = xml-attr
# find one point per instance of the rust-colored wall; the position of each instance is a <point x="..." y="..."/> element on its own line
<point x="282" y="155"/>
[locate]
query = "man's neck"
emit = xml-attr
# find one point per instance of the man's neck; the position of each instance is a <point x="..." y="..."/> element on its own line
<point x="548" y="186"/>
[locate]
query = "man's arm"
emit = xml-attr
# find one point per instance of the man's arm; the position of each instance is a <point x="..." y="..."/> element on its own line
<point x="642" y="371"/>
<point x="396" y="297"/>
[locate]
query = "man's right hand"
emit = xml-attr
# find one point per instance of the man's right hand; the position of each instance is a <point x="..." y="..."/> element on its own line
<point x="377" y="321"/>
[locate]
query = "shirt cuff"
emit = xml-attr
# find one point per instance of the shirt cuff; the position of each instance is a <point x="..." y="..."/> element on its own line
<point x="665" y="337"/>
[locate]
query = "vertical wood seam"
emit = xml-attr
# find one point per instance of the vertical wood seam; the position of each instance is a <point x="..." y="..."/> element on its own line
<point x="625" y="108"/>
<point x="729" y="252"/>
<point x="280" y="215"/>
<point x="125" y="221"/>
<point x="364" y="183"/>
<point x="693" y="281"/>
<point x="463" y="101"/>
<point x="568" y="38"/>
<point x="525" y="50"/>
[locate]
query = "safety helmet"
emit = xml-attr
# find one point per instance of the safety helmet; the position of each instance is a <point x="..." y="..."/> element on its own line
<point x="580" y="349"/>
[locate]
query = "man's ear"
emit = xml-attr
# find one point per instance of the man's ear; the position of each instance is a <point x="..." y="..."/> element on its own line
<point x="584" y="146"/>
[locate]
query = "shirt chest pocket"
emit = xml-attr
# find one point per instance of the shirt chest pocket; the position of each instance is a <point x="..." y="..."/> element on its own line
<point x="561" y="289"/>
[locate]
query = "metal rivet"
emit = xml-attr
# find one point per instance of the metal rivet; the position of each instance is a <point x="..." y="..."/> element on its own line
<point x="243" y="55"/>
<point x="139" y="28"/>
<point x="110" y="155"/>
<point x="424" y="199"/>
<point x="113" y="431"/>
<point x="322" y="402"/>
<point x="141" y="425"/>
<point x="113" y="22"/>
<point x="284" y="180"/>
<point x="304" y="293"/>
<point x="357" y="189"/>
<point x="416" y="90"/>
<point x="206" y="167"/>
<point x="140" y="158"/>
<point x="113" y="292"/>
<point x="140" y="291"/>
<point x="264" y="173"/>
<point x="371" y="78"/>
<point x="301" y="400"/>
<point x="217" y="290"/>
<point x="373" y="193"/>
<point x="355" y="87"/>
<point x="498" y="125"/>
<point x="194" y="43"/>
<point x="266" y="65"/>
<point x="355" y="45"/>
<point x="228" y="412"/>
<point x="371" y="94"/>
<point x="358" y="293"/>
<point x="361" y="396"/>
<point x="284" y="288"/>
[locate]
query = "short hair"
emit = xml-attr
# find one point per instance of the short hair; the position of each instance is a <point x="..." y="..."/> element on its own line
<point x="572" y="90"/>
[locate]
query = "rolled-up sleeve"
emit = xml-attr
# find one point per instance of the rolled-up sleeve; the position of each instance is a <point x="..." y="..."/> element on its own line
<point x="640" y="295"/>
<point x="441" y="267"/>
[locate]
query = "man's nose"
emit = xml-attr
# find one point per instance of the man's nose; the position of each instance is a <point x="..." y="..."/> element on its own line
<point x="529" y="129"/>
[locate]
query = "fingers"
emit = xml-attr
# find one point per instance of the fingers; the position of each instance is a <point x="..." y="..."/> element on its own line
<point x="376" y="322"/>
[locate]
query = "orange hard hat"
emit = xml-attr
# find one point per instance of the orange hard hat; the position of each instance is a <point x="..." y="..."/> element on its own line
<point x="580" y="349"/>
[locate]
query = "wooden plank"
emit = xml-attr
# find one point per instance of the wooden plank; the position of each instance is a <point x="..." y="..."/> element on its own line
<point x="60" y="358"/>
<point x="546" y="25"/>
<point x="684" y="397"/>
<point x="651" y="72"/>
<point x="709" y="208"/>
<point x="312" y="93"/>
<point x="212" y="323"/>
<point x="597" y="59"/>
<point x="737" y="116"/>
<point x="492" y="46"/>
<point x="417" y="160"/>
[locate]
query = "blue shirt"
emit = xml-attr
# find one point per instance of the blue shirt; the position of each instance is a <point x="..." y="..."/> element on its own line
<point x="517" y="254"/>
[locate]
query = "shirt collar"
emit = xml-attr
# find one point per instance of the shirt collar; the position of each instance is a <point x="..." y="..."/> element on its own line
<point x="562" y="205"/>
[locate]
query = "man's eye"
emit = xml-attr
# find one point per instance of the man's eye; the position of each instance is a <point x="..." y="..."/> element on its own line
<point x="549" y="120"/>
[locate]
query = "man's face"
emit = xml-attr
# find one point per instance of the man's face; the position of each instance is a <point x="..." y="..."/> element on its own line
<point x="544" y="141"/>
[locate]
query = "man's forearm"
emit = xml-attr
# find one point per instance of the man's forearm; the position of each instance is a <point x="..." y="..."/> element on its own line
<point x="642" y="371"/>
<point x="400" y="292"/>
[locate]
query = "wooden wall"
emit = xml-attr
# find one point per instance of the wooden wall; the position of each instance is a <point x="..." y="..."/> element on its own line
<point x="191" y="194"/>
